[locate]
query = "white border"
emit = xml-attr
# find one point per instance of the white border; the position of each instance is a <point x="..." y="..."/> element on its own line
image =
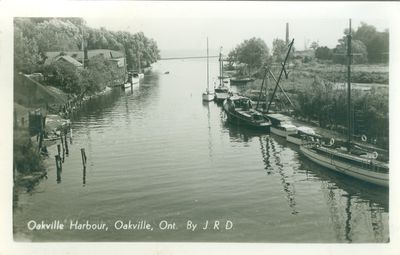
<point x="292" y="10"/>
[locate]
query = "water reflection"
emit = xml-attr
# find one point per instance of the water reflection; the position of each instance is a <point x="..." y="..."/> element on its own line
<point x="272" y="153"/>
<point x="210" y="150"/>
<point x="356" y="209"/>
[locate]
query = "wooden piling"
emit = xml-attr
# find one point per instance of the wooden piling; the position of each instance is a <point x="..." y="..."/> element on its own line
<point x="66" y="144"/>
<point x="59" y="168"/>
<point x="63" y="147"/>
<point x="70" y="135"/>
<point x="59" y="149"/>
<point x="22" y="121"/>
<point x="84" y="158"/>
<point x="84" y="176"/>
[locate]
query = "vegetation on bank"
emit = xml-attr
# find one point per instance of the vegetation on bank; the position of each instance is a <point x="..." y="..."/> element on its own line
<point x="314" y="82"/>
<point x="26" y="155"/>
<point x="34" y="38"/>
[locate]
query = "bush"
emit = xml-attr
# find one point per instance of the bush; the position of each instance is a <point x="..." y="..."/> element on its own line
<point x="26" y="157"/>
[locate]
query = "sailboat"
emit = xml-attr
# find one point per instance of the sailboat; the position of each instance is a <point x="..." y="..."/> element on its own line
<point x="208" y="96"/>
<point x="222" y="91"/>
<point x="351" y="161"/>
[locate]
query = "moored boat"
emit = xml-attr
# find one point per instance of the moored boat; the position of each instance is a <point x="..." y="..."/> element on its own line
<point x="240" y="81"/>
<point x="284" y="129"/>
<point x="349" y="160"/>
<point x="362" y="167"/>
<point x="221" y="93"/>
<point x="134" y="82"/>
<point x="301" y="135"/>
<point x="208" y="95"/>
<point x="239" y="110"/>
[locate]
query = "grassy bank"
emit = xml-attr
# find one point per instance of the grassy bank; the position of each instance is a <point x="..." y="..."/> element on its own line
<point x="317" y="99"/>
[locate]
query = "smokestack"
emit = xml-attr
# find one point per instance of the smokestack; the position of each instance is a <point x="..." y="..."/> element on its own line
<point x="287" y="33"/>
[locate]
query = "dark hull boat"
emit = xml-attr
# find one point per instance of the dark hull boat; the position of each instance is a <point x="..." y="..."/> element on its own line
<point x="240" y="81"/>
<point x="239" y="111"/>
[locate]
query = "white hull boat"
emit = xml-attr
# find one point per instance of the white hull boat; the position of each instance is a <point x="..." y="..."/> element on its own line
<point x="365" y="169"/>
<point x="207" y="96"/>
<point x="284" y="129"/>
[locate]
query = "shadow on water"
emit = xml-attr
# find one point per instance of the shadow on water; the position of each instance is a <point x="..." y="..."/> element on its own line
<point x="99" y="107"/>
<point x="348" y="199"/>
<point x="352" y="204"/>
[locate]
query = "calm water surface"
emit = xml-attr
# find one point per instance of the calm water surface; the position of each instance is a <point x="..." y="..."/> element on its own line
<point x="158" y="153"/>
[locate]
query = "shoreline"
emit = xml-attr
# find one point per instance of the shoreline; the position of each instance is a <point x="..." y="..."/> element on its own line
<point x="60" y="124"/>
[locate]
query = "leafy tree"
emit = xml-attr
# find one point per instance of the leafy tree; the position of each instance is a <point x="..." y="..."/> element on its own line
<point x="253" y="52"/>
<point x="65" y="76"/>
<point x="323" y="53"/>
<point x="378" y="48"/>
<point x="279" y="50"/>
<point x="99" y="72"/>
<point x="56" y="35"/>
<point x="26" y="53"/>
<point x="377" y="43"/>
<point x="232" y="58"/>
<point x="358" y="49"/>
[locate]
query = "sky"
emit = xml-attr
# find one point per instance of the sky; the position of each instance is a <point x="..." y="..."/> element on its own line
<point x="186" y="25"/>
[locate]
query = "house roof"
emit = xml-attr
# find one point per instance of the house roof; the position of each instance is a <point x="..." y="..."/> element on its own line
<point x="78" y="55"/>
<point x="70" y="60"/>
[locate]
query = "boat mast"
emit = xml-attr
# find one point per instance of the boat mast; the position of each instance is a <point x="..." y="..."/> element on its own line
<point x="220" y="67"/>
<point x="349" y="86"/>
<point x="140" y="67"/>
<point x="208" y="86"/>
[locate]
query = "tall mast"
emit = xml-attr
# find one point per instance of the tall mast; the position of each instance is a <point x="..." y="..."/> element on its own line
<point x="349" y="85"/>
<point x="140" y="67"/>
<point x="208" y="86"/>
<point x="220" y="67"/>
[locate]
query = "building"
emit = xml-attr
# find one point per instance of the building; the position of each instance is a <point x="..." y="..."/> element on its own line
<point x="76" y="58"/>
<point x="70" y="60"/>
<point x="51" y="56"/>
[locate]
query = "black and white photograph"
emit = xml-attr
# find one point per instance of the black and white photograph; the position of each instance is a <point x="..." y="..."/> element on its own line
<point x="192" y="124"/>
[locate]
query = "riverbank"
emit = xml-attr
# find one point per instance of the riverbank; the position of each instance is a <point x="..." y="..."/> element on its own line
<point x="31" y="147"/>
<point x="320" y="100"/>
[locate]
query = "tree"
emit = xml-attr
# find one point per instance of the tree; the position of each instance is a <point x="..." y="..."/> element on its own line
<point x="232" y="58"/>
<point x="377" y="43"/>
<point x="314" y="45"/>
<point x="323" y="53"/>
<point x="378" y="48"/>
<point x="26" y="53"/>
<point x="253" y="53"/>
<point x="65" y="76"/>
<point x="57" y="35"/>
<point x="358" y="48"/>
<point x="279" y="50"/>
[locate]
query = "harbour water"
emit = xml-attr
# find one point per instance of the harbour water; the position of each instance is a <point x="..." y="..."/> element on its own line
<point x="159" y="156"/>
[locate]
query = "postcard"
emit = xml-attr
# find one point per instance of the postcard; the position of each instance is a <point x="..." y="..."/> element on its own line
<point x="199" y="127"/>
